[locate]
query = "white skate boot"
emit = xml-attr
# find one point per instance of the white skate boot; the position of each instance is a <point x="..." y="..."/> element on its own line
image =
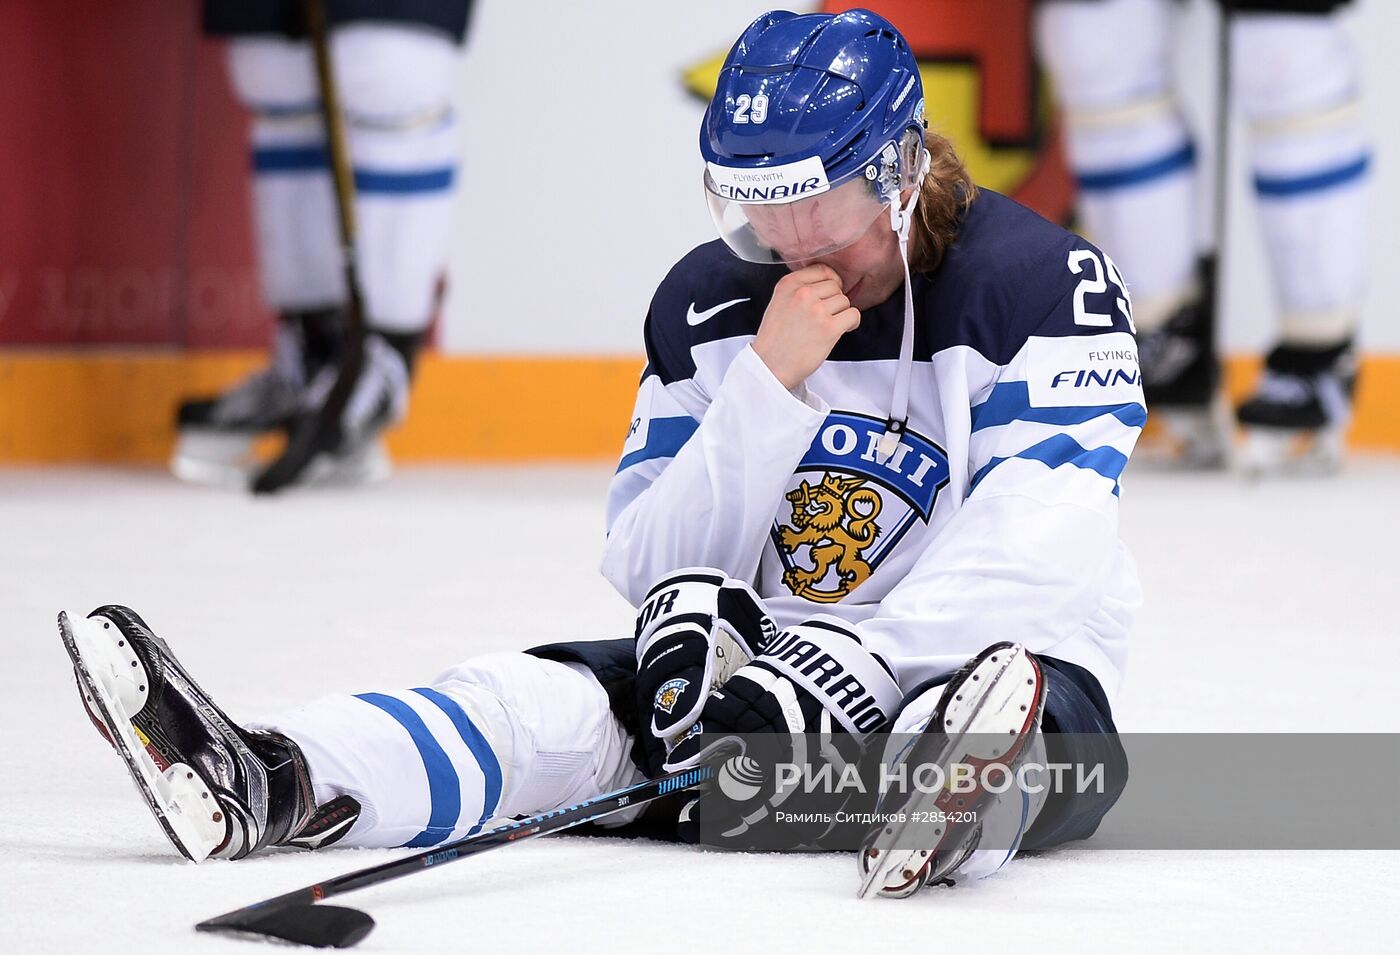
<point x="988" y="713"/>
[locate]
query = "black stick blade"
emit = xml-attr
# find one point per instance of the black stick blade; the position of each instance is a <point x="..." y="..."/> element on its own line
<point x="309" y="437"/>
<point x="320" y="926"/>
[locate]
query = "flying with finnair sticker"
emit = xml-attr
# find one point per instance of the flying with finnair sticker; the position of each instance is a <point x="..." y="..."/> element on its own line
<point x="1083" y="370"/>
<point x="769" y="184"/>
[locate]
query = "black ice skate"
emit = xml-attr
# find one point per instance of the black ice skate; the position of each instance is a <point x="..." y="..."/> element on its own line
<point x="218" y="435"/>
<point x="1296" y="419"/>
<point x="1180" y="375"/>
<point x="989" y="712"/>
<point x="216" y="789"/>
<point x="352" y="451"/>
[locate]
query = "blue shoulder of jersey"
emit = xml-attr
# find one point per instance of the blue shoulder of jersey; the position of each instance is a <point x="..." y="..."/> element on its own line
<point x="708" y="295"/>
<point x="1012" y="274"/>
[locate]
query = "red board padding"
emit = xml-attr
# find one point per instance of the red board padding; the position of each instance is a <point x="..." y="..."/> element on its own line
<point x="124" y="213"/>
<point x="994" y="34"/>
<point x="995" y="37"/>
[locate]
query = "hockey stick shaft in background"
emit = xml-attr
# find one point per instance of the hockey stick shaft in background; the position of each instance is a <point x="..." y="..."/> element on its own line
<point x="295" y="917"/>
<point x="315" y="435"/>
<point x="1220" y="220"/>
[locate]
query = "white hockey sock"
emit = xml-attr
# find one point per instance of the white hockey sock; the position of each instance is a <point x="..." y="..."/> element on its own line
<point x="396" y="87"/>
<point x="1136" y="174"/>
<point x="501" y="735"/>
<point x="1127" y="142"/>
<point x="1297" y="82"/>
<point x="405" y="182"/>
<point x="294" y="206"/>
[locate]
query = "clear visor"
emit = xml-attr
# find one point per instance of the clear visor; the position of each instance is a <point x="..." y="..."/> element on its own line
<point x="796" y="232"/>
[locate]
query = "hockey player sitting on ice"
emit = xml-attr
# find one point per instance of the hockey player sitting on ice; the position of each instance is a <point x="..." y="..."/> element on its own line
<point x="880" y="432"/>
<point x="1296" y="79"/>
<point x="395" y="65"/>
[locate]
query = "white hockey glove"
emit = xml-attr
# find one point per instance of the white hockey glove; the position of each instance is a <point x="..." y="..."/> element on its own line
<point x="695" y="628"/>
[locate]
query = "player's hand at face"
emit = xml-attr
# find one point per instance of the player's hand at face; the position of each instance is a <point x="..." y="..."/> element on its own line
<point x="806" y="316"/>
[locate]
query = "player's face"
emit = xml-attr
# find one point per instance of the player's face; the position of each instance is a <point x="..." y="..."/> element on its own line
<point x="846" y="229"/>
<point x="870" y="268"/>
<point x="808" y="228"/>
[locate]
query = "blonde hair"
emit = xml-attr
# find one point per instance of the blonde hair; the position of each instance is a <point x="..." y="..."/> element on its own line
<point x="945" y="195"/>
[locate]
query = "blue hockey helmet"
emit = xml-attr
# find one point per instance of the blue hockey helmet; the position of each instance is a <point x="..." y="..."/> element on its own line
<point x="816" y="127"/>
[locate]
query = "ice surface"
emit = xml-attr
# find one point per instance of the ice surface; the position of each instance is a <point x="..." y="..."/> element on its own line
<point x="1254" y="594"/>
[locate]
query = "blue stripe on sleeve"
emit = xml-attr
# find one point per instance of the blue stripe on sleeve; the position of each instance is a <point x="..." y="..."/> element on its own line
<point x="1062" y="449"/>
<point x="275" y="159"/>
<point x="1011" y="401"/>
<point x="481" y="749"/>
<point x="444" y="787"/>
<point x="665" y="437"/>
<point x="1108" y="179"/>
<point x="1276" y="186"/>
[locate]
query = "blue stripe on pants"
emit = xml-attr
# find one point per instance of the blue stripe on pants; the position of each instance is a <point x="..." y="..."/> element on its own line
<point x="1104" y="180"/>
<point x="1283" y="186"/>
<point x="290" y="159"/>
<point x="403" y="183"/>
<point x="444" y="787"/>
<point x="481" y="749"/>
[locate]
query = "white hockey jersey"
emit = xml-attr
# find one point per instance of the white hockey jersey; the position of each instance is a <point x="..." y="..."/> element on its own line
<point x="997" y="517"/>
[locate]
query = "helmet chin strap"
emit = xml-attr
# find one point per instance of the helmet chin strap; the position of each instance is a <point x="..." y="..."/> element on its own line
<point x="901" y="219"/>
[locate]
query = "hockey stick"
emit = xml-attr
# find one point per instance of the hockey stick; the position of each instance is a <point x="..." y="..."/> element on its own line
<point x="1213" y="291"/>
<point x="295" y="916"/>
<point x="319" y="432"/>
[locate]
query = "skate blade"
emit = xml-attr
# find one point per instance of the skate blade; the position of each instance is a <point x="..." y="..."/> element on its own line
<point x="367" y="464"/>
<point x="187" y="812"/>
<point x="1186" y="439"/>
<point x="216" y="459"/>
<point x="233" y="461"/>
<point x="1280" y="452"/>
<point x="1011" y="692"/>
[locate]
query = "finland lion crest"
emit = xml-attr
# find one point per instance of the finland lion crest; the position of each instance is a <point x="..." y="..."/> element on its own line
<point x="848" y="511"/>
<point x="668" y="693"/>
<point x="836" y="519"/>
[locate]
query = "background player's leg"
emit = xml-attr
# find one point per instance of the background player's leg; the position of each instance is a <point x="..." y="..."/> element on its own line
<point x="500" y="735"/>
<point x="1127" y="140"/>
<point x="294" y="217"/>
<point x="293" y="202"/>
<point x="1134" y="160"/>
<point x="396" y="91"/>
<point x="396" y="87"/>
<point x="1297" y="82"/>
